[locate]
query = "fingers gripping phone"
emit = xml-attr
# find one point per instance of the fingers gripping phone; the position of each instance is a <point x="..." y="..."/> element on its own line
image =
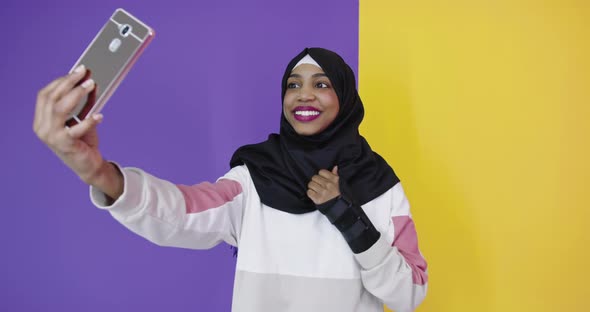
<point x="108" y="59"/>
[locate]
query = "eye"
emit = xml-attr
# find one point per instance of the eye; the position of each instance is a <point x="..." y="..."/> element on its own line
<point x="292" y="85"/>
<point x="322" y="85"/>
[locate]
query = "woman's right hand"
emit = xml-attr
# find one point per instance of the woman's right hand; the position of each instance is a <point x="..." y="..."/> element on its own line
<point x="76" y="146"/>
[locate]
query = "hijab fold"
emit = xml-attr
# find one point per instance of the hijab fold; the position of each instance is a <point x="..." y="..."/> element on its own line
<point x="282" y="166"/>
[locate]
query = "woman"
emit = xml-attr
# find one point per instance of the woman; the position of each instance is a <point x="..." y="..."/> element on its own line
<point x="321" y="221"/>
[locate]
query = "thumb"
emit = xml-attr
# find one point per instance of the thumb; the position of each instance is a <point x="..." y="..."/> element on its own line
<point x="82" y="128"/>
<point x="335" y="170"/>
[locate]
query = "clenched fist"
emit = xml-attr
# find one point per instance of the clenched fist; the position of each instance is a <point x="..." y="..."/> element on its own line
<point x="324" y="186"/>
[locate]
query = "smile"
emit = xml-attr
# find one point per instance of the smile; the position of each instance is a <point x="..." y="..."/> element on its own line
<point x="306" y="113"/>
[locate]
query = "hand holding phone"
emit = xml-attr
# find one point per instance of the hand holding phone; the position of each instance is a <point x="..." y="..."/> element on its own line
<point x="108" y="59"/>
<point x="76" y="146"/>
<point x="70" y="100"/>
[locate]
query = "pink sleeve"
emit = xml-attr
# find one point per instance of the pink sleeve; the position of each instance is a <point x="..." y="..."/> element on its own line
<point x="393" y="269"/>
<point x="199" y="216"/>
<point x="205" y="196"/>
<point x="406" y="241"/>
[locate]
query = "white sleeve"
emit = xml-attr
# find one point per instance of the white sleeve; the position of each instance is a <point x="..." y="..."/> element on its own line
<point x="197" y="217"/>
<point x="393" y="269"/>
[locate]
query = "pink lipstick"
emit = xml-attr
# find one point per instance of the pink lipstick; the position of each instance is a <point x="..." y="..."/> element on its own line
<point x="306" y="113"/>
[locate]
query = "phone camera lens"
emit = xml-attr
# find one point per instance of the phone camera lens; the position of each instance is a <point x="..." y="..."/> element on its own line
<point x="125" y="30"/>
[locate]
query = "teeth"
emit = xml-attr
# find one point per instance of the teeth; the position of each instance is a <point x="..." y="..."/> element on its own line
<point x="307" y="113"/>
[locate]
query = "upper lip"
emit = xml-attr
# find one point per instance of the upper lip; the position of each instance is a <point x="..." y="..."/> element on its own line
<point x="305" y="108"/>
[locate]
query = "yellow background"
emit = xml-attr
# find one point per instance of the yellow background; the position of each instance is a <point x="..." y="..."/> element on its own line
<point x="483" y="110"/>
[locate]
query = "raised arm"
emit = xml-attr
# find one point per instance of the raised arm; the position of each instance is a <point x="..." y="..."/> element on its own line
<point x="189" y="216"/>
<point x="76" y="146"/>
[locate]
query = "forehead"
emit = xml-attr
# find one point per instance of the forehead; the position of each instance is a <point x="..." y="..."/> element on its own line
<point x="307" y="70"/>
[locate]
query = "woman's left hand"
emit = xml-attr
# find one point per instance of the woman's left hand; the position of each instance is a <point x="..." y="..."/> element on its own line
<point x="324" y="186"/>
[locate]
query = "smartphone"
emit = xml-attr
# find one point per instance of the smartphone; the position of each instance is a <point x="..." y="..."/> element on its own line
<point x="108" y="59"/>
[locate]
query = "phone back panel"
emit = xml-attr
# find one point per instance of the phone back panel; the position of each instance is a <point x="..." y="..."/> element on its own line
<point x="109" y="57"/>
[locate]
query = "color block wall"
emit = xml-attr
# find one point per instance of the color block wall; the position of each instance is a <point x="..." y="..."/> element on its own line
<point x="483" y="109"/>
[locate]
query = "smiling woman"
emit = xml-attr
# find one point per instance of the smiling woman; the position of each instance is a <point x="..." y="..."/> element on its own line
<point x="321" y="221"/>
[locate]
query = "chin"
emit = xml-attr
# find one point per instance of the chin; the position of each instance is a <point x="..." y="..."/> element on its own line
<point x="306" y="132"/>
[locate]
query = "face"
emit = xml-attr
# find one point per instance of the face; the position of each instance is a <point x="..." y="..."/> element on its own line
<point x="310" y="104"/>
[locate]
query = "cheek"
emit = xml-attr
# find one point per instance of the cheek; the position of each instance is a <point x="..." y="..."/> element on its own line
<point x="286" y="109"/>
<point x="332" y="103"/>
<point x="288" y="102"/>
<point x="289" y="95"/>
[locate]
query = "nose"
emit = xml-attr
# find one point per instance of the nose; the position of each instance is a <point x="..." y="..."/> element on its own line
<point x="306" y="94"/>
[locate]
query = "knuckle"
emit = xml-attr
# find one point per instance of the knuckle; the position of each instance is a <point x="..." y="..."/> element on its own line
<point x="52" y="97"/>
<point x="41" y="133"/>
<point x="41" y="95"/>
<point x="61" y="107"/>
<point x="45" y="96"/>
<point x="58" y="107"/>
<point x="76" y="95"/>
<point x="54" y="141"/>
<point x="49" y="140"/>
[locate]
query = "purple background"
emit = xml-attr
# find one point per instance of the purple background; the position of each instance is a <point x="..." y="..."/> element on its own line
<point x="209" y="83"/>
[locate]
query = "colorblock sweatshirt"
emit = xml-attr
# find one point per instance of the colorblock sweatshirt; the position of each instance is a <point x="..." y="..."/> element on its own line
<point x="286" y="262"/>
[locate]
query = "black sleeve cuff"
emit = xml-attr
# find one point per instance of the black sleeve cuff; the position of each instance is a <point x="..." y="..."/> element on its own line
<point x="352" y="222"/>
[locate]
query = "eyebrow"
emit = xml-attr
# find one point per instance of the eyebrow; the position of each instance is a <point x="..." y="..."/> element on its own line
<point x="313" y="76"/>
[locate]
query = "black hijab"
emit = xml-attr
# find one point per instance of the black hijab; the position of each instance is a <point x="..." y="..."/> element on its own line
<point x="282" y="166"/>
